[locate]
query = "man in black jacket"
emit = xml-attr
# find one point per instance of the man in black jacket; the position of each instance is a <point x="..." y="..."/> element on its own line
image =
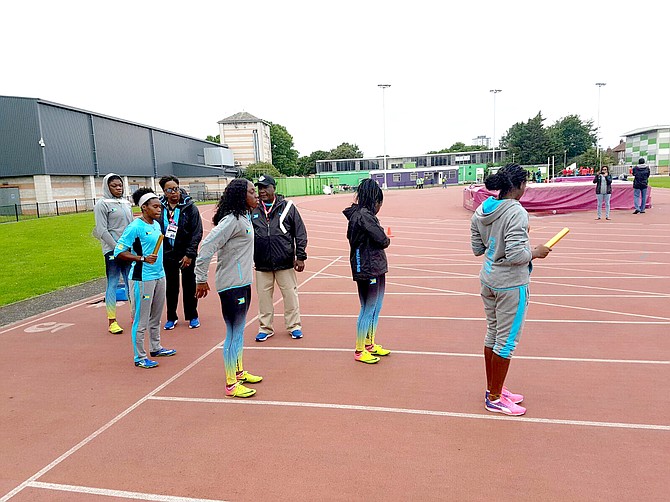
<point x="280" y="241"/>
<point x="181" y="224"/>
<point x="640" y="183"/>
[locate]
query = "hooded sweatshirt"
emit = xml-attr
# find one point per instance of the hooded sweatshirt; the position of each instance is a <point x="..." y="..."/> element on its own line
<point x="112" y="216"/>
<point x="233" y="241"/>
<point x="499" y="230"/>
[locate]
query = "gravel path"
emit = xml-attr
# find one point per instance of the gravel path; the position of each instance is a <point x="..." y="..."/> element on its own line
<point x="18" y="311"/>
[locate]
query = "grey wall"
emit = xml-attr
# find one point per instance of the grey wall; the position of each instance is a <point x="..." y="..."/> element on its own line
<point x="123" y="148"/>
<point x="171" y="149"/>
<point x="68" y="141"/>
<point x="20" y="152"/>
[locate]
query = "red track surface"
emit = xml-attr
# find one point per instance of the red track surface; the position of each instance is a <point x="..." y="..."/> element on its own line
<point x="80" y="422"/>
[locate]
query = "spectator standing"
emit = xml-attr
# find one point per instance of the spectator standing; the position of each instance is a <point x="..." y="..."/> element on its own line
<point x="113" y="213"/>
<point x="280" y="242"/>
<point x="640" y="184"/>
<point x="181" y="224"/>
<point x="603" y="181"/>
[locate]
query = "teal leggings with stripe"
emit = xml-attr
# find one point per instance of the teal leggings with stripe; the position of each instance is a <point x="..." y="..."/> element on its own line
<point x="505" y="315"/>
<point x="234" y="307"/>
<point x="371" y="296"/>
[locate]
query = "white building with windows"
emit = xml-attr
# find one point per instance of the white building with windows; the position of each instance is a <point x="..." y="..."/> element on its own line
<point x="651" y="143"/>
<point x="248" y="137"/>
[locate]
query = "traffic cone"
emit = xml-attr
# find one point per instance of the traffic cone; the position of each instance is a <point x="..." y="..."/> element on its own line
<point x="388" y="232"/>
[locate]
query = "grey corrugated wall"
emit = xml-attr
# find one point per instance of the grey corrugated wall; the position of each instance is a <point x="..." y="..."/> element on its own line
<point x="123" y="148"/>
<point x="68" y="142"/>
<point x="171" y="149"/>
<point x="20" y="152"/>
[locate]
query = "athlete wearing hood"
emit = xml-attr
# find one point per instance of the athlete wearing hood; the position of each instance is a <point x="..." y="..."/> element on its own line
<point x="499" y="231"/>
<point x="181" y="224"/>
<point x="113" y="213"/>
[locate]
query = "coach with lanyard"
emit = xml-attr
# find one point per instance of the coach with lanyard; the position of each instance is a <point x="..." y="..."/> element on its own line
<point x="181" y="224"/>
<point x="279" y="252"/>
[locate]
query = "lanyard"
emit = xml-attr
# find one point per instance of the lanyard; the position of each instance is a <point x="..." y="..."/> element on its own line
<point x="267" y="210"/>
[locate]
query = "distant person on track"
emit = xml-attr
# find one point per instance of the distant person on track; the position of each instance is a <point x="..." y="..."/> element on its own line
<point x="603" y="181"/>
<point x="367" y="241"/>
<point x="147" y="277"/>
<point x="113" y="213"/>
<point x="280" y="242"/>
<point x="640" y="184"/>
<point x="499" y="231"/>
<point x="233" y="242"/>
<point x="182" y="227"/>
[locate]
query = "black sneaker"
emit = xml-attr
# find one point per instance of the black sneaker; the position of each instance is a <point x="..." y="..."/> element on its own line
<point x="163" y="353"/>
<point x="636" y="211"/>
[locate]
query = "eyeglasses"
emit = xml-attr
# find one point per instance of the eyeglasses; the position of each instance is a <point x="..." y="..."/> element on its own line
<point x="171" y="190"/>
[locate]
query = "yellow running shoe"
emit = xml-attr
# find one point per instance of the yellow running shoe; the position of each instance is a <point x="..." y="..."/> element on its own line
<point x="239" y="390"/>
<point x="115" y="329"/>
<point x="247" y="377"/>
<point x="377" y="350"/>
<point x="365" y="357"/>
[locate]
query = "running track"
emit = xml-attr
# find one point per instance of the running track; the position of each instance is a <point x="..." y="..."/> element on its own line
<point x="81" y="423"/>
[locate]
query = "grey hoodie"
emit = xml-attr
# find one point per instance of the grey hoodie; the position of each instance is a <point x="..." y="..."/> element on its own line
<point x="112" y="216"/>
<point x="233" y="241"/>
<point x="499" y="229"/>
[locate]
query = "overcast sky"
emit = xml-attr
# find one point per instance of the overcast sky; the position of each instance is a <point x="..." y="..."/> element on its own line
<point x="314" y="66"/>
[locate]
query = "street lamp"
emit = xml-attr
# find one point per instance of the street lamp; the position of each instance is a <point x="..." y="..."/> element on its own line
<point x="493" y="139"/>
<point x="600" y="159"/>
<point x="383" y="88"/>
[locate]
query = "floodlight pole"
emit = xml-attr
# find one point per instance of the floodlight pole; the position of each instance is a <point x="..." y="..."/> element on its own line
<point x="383" y="88"/>
<point x="493" y="139"/>
<point x="600" y="159"/>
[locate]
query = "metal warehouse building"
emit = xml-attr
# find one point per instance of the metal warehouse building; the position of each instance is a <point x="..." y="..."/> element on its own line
<point x="52" y="152"/>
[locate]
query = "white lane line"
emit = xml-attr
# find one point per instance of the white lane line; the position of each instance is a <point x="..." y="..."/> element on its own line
<point x="132" y="407"/>
<point x="446" y="318"/>
<point x="476" y="356"/>
<point x="535" y="295"/>
<point x="116" y="493"/>
<point x="409" y="411"/>
<point x="60" y="310"/>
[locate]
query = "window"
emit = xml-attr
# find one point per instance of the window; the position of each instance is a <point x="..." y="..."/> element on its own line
<point x="396" y="178"/>
<point x="412" y="176"/>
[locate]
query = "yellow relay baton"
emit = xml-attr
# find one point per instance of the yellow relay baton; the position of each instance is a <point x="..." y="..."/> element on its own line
<point x="551" y="242"/>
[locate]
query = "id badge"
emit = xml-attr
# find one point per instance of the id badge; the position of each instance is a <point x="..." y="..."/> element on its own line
<point x="171" y="231"/>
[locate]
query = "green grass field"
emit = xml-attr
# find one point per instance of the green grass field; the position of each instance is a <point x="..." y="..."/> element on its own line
<point x="659" y="181"/>
<point x="46" y="254"/>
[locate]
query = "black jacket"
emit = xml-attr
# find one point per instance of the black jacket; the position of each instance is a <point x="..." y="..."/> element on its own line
<point x="279" y="239"/>
<point x="367" y="241"/>
<point x="641" y="174"/>
<point x="189" y="229"/>
<point x="608" y="178"/>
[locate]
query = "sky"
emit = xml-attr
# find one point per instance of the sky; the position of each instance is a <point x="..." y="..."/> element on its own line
<point x="315" y="66"/>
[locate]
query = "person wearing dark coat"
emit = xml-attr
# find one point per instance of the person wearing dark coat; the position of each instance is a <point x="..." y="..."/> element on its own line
<point x="603" y="181"/>
<point x="367" y="242"/>
<point x="182" y="227"/>
<point x="640" y="184"/>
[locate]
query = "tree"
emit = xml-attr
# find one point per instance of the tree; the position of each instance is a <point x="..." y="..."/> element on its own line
<point x="528" y="142"/>
<point x="253" y="171"/>
<point x="214" y="139"/>
<point x="459" y="146"/>
<point x="345" y="151"/>
<point x="572" y="137"/>
<point x="284" y="156"/>
<point x="307" y="164"/>
<point x="590" y="159"/>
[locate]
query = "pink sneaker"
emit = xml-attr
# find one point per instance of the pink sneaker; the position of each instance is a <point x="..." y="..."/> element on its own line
<point x="505" y="406"/>
<point x="515" y="398"/>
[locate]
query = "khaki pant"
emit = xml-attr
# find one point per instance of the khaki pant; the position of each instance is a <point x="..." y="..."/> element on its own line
<point x="265" y="287"/>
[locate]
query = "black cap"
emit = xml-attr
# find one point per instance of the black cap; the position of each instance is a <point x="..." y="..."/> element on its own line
<point x="266" y="180"/>
<point x="641" y="161"/>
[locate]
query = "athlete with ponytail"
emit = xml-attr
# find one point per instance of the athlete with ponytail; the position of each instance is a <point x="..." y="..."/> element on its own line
<point x="499" y="231"/>
<point x="368" y="266"/>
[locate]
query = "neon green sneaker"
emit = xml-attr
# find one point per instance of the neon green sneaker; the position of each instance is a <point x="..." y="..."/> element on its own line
<point x="247" y="377"/>
<point x="377" y="350"/>
<point x="239" y="390"/>
<point x="365" y="357"/>
<point x="115" y="329"/>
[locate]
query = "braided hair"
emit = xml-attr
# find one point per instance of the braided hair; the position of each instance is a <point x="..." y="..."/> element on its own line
<point x="368" y="195"/>
<point x="233" y="200"/>
<point x="507" y="178"/>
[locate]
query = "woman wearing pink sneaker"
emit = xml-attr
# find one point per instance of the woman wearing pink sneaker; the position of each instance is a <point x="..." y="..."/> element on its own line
<point x="233" y="242"/>
<point x="499" y="231"/>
